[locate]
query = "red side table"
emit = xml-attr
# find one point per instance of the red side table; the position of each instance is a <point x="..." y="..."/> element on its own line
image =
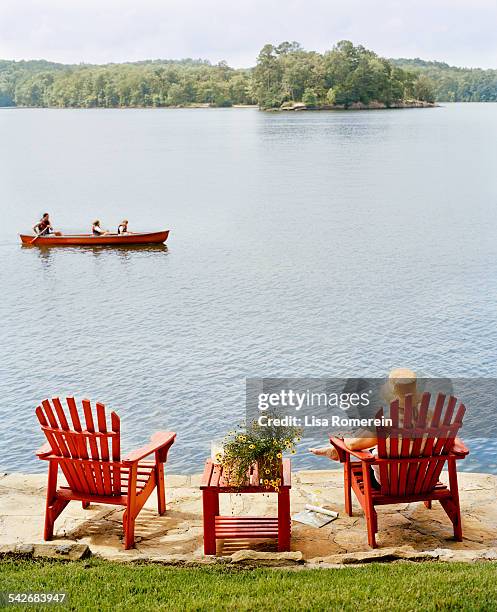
<point x="218" y="527"/>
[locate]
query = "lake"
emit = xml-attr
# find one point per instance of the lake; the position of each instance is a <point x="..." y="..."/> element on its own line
<point x="302" y="245"/>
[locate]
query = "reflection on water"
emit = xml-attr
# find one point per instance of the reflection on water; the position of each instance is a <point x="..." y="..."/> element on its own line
<point x="323" y="245"/>
<point x="45" y="250"/>
<point x="124" y="253"/>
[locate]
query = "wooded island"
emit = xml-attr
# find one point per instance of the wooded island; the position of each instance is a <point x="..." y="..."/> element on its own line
<point x="285" y="77"/>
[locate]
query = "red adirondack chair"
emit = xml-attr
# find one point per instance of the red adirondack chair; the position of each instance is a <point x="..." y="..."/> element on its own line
<point x="410" y="458"/>
<point x="93" y="471"/>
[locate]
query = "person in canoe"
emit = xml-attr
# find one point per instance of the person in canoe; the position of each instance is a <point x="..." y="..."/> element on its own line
<point x="44" y="226"/>
<point x="96" y="230"/>
<point x="123" y="227"/>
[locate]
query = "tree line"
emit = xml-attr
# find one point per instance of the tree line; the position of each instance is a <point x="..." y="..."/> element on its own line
<point x="451" y="84"/>
<point x="155" y="83"/>
<point x="284" y="74"/>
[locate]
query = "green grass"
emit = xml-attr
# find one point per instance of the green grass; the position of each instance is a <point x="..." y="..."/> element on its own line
<point x="100" y="585"/>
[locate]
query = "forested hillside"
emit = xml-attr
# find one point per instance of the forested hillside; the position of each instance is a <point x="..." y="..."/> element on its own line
<point x="452" y="84"/>
<point x="285" y="74"/>
<point x="154" y="83"/>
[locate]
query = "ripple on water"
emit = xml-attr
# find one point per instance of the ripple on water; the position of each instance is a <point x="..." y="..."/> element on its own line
<point x="331" y="262"/>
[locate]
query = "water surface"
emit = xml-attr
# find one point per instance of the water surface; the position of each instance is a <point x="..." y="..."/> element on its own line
<point x="306" y="244"/>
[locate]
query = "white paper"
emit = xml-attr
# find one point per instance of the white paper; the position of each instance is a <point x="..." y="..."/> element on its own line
<point x="315" y="516"/>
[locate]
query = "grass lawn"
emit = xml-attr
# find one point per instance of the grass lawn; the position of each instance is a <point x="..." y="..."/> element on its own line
<point x="100" y="585"/>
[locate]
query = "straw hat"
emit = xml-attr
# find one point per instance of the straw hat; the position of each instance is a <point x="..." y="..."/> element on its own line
<point x="401" y="382"/>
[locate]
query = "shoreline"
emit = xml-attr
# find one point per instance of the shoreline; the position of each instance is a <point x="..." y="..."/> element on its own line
<point x="355" y="106"/>
<point x="297" y="107"/>
<point x="407" y="531"/>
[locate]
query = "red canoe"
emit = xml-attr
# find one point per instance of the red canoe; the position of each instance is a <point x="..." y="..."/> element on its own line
<point x="90" y="240"/>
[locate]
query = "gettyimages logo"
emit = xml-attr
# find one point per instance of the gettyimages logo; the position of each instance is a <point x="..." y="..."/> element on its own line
<point x="294" y="399"/>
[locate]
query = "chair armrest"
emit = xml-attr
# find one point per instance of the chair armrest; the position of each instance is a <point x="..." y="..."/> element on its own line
<point x="343" y="450"/>
<point x="459" y="448"/>
<point x="160" y="442"/>
<point x="44" y="451"/>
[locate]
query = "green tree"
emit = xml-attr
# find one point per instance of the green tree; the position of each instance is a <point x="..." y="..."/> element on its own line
<point x="310" y="98"/>
<point x="176" y="95"/>
<point x="423" y="89"/>
<point x="331" y="96"/>
<point x="267" y="76"/>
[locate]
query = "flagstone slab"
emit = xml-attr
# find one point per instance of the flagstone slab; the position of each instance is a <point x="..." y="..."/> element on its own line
<point x="406" y="531"/>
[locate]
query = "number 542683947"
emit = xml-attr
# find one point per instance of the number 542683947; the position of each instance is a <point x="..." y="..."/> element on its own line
<point x="19" y="598"/>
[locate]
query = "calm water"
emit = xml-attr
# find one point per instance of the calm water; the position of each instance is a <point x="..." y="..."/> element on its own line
<point x="325" y="244"/>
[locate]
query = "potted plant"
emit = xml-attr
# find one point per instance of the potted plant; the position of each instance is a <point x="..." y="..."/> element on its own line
<point x="264" y="447"/>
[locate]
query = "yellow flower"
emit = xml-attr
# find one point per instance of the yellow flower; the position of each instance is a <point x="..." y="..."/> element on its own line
<point x="287" y="441"/>
<point x="267" y="471"/>
<point x="297" y="439"/>
<point x="293" y="451"/>
<point x="219" y="456"/>
<point x="266" y="481"/>
<point x="252" y="446"/>
<point x="276" y="489"/>
<point x="279" y="455"/>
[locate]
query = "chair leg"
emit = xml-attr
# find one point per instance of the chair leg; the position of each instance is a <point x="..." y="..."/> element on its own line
<point x="85" y="504"/>
<point x="454" y="513"/>
<point x="372" y="529"/>
<point x="161" y="493"/>
<point x="129" y="529"/>
<point x="53" y="512"/>
<point x="130" y="512"/>
<point x="51" y="498"/>
<point x="457" y="524"/>
<point x="347" y="484"/>
<point x="371" y="516"/>
<point x="375" y="520"/>
<point x="427" y="503"/>
<point x="49" y="524"/>
<point x="453" y="508"/>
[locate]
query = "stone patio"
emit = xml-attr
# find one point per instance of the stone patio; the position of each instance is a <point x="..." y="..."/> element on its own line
<point x="406" y="531"/>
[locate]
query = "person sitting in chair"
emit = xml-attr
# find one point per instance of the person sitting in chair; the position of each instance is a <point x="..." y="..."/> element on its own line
<point x="97" y="230"/>
<point x="43" y="227"/>
<point x="401" y="382"/>
<point x="123" y="227"/>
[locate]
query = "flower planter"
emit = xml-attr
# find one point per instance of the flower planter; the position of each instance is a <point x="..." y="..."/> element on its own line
<point x="270" y="471"/>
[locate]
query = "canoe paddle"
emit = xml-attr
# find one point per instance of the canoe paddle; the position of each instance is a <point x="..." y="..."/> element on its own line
<point x="41" y="235"/>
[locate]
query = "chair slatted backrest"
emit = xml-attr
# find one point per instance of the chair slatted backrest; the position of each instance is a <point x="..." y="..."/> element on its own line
<point x="89" y="464"/>
<point x="417" y="432"/>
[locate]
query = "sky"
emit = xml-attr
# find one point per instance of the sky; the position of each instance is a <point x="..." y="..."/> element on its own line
<point x="460" y="32"/>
